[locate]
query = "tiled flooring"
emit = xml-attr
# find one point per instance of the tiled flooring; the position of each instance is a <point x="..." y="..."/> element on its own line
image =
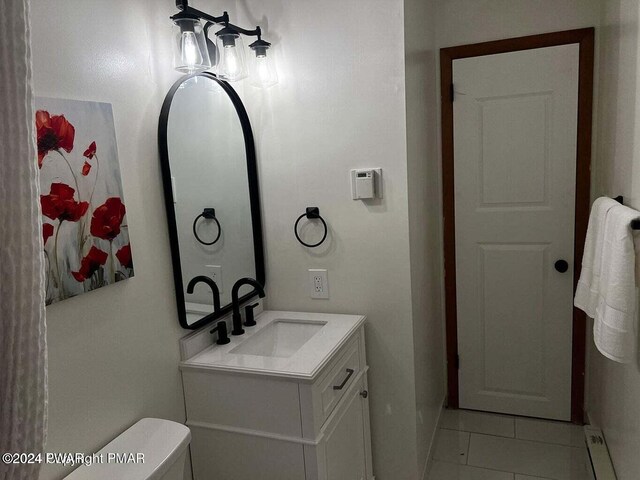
<point x="485" y="446"/>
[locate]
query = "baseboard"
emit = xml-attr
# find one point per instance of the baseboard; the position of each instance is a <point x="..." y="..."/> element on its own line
<point x="428" y="461"/>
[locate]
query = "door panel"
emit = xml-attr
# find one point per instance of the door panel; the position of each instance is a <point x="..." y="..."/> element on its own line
<point x="345" y="442"/>
<point x="515" y="130"/>
<point x="506" y="271"/>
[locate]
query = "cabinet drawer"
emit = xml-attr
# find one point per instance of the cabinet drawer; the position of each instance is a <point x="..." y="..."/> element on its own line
<point x="339" y="378"/>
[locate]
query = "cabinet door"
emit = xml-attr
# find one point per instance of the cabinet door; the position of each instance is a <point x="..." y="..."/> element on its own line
<point x="344" y="440"/>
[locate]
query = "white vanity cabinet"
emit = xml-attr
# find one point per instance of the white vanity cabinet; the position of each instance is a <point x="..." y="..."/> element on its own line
<point x="276" y="424"/>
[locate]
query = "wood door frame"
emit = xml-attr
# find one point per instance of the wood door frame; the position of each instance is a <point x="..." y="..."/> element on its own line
<point x="585" y="38"/>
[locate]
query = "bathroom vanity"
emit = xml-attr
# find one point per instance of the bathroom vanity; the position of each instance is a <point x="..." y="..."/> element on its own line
<point x="287" y="400"/>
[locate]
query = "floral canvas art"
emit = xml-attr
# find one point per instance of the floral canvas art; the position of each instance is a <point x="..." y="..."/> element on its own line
<point x="84" y="224"/>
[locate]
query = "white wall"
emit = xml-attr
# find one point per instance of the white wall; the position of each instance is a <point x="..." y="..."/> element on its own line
<point x="340" y="104"/>
<point x="614" y="389"/>
<point x="470" y="21"/>
<point x="113" y="353"/>
<point x="425" y="213"/>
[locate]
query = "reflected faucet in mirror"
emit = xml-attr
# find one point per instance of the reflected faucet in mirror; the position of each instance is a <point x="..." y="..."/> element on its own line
<point x="214" y="289"/>
<point x="237" y="318"/>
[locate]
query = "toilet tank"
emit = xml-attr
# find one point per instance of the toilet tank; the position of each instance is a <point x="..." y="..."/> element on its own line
<point x="162" y="442"/>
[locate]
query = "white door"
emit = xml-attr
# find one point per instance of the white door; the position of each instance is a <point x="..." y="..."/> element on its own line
<point x="515" y="129"/>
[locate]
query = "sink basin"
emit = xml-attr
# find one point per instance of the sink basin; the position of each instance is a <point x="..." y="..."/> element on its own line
<point x="281" y="338"/>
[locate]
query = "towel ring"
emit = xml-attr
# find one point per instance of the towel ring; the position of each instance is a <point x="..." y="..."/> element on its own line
<point x="635" y="223"/>
<point x="208" y="214"/>
<point x="312" y="213"/>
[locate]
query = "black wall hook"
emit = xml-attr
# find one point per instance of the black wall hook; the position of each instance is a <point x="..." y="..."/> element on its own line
<point x="311" y="213"/>
<point x="209" y="214"/>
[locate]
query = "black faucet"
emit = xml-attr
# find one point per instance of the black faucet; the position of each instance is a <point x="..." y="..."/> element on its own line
<point x="237" y="319"/>
<point x="214" y="288"/>
<point x="221" y="328"/>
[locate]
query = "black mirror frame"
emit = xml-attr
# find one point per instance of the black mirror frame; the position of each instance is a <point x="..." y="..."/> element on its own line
<point x="254" y="199"/>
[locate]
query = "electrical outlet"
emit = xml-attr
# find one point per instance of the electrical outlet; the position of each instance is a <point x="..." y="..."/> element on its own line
<point x="318" y="283"/>
<point x="215" y="272"/>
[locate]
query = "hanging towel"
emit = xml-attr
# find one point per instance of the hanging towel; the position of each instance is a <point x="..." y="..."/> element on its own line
<point x="614" y="328"/>
<point x="587" y="291"/>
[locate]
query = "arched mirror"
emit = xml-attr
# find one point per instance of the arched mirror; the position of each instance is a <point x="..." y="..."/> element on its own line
<point x="211" y="194"/>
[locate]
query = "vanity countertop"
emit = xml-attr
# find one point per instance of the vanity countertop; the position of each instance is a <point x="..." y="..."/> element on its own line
<point x="304" y="364"/>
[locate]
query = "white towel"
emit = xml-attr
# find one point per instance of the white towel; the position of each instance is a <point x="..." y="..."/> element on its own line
<point x="607" y="288"/>
<point x="614" y="326"/>
<point x="587" y="291"/>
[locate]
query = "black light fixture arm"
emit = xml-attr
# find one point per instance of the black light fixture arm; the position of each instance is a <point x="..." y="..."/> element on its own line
<point x="256" y="32"/>
<point x="183" y="6"/>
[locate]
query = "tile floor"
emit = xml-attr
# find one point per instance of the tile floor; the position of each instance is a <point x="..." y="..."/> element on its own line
<point x="485" y="446"/>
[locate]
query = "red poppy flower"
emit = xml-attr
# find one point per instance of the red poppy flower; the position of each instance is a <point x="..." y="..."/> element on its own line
<point x="53" y="133"/>
<point x="124" y="255"/>
<point x="47" y="231"/>
<point x="90" y="264"/>
<point x="107" y="219"/>
<point x="60" y="204"/>
<point x="91" y="151"/>
<point x="86" y="168"/>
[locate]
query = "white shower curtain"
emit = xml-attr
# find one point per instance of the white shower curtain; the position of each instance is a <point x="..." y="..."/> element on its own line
<point x="22" y="318"/>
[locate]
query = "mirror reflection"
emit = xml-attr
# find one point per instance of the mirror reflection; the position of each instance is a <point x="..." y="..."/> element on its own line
<point x="210" y="186"/>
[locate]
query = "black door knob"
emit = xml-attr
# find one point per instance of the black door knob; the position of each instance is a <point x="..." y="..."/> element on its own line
<point x="561" y="266"/>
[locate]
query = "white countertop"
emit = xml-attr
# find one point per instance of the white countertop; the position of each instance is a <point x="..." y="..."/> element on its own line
<point x="304" y="364"/>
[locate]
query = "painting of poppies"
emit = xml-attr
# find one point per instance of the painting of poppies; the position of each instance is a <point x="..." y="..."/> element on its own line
<point x="84" y="224"/>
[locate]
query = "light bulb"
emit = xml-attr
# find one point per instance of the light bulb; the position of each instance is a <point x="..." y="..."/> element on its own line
<point x="191" y="55"/>
<point x="190" y="50"/>
<point x="265" y="75"/>
<point x="231" y="66"/>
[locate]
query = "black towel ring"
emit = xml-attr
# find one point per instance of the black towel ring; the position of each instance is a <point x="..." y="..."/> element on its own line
<point x="635" y="223"/>
<point x="312" y="213"/>
<point x="209" y="214"/>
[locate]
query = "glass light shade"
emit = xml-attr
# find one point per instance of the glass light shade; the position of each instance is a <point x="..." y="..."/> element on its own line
<point x="231" y="64"/>
<point x="190" y="47"/>
<point x="263" y="73"/>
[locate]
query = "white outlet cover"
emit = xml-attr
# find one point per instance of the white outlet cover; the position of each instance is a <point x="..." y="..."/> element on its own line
<point x="318" y="283"/>
<point x="215" y="272"/>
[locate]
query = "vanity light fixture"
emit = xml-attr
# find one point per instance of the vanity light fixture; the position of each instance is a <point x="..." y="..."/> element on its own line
<point x="195" y="52"/>
<point x="265" y="74"/>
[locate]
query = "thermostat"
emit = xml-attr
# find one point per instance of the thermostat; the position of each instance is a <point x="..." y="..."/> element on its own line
<point x="366" y="183"/>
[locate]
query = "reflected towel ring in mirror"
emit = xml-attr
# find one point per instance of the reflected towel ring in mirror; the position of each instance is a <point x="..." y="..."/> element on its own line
<point x="312" y="213"/>
<point x="208" y="214"/>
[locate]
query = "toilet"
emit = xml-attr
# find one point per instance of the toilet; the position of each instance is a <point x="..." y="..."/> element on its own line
<point x="164" y="445"/>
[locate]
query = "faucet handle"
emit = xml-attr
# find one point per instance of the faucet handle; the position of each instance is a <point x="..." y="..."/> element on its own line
<point x="221" y="328"/>
<point x="248" y="315"/>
